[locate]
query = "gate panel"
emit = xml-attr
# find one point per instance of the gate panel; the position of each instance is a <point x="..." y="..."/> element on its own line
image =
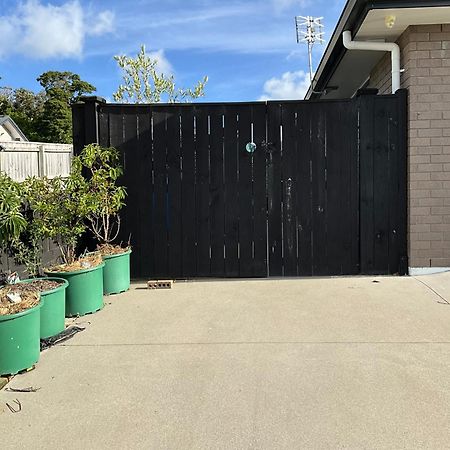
<point x="317" y="214"/>
<point x="383" y="183"/>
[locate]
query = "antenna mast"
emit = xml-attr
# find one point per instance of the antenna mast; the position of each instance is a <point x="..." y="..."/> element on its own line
<point x="309" y="30"/>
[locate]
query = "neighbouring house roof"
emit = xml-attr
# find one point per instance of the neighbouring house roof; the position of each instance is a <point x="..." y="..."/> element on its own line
<point x="341" y="72"/>
<point x="12" y="128"/>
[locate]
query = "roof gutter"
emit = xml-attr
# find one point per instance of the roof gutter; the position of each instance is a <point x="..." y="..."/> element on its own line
<point x="391" y="47"/>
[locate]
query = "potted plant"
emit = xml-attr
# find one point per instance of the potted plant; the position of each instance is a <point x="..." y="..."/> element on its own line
<point x="26" y="247"/>
<point x="19" y="306"/>
<point x="60" y="206"/>
<point x="106" y="198"/>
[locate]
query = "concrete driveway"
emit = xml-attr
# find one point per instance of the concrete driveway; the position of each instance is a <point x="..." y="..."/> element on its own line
<point x="272" y="364"/>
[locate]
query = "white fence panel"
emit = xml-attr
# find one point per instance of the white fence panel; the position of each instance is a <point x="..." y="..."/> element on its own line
<point x="24" y="159"/>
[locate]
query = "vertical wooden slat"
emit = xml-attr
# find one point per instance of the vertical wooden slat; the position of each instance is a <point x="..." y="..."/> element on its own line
<point x="245" y="195"/>
<point x="381" y="182"/>
<point x="289" y="189"/>
<point x="274" y="189"/>
<point x="188" y="206"/>
<point x="145" y="183"/>
<point x="401" y="167"/>
<point x="353" y="236"/>
<point x="366" y="178"/>
<point x="259" y="191"/>
<point x="319" y="146"/>
<point x="133" y="201"/>
<point x="160" y="192"/>
<point x="174" y="193"/>
<point x="202" y="192"/>
<point x="335" y="213"/>
<point x="116" y="139"/>
<point x="217" y="210"/>
<point x="304" y="191"/>
<point x="103" y="127"/>
<point x="231" y="165"/>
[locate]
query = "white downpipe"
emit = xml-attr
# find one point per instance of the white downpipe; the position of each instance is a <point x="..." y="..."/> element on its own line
<point x="378" y="46"/>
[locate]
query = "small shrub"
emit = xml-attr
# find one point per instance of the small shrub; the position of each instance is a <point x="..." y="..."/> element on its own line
<point x="103" y="197"/>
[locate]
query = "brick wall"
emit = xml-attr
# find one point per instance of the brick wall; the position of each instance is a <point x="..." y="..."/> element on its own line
<point x="425" y="53"/>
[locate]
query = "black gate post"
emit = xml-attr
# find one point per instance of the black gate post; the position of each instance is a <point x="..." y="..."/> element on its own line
<point x="85" y="115"/>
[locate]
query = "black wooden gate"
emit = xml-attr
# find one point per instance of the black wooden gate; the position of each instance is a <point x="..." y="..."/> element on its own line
<point x="323" y="193"/>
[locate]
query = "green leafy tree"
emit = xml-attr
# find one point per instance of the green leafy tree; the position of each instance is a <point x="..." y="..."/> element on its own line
<point x="60" y="210"/>
<point x="61" y="89"/>
<point x="6" y="100"/>
<point x="142" y="83"/>
<point x="104" y="197"/>
<point x="45" y="116"/>
<point x="26" y="110"/>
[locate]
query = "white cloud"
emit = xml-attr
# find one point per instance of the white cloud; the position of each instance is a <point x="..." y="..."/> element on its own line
<point x="104" y="24"/>
<point x="44" y="30"/>
<point x="164" y="66"/>
<point x="291" y="86"/>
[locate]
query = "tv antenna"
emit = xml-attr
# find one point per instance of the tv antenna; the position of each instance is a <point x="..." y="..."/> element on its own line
<point x="310" y="31"/>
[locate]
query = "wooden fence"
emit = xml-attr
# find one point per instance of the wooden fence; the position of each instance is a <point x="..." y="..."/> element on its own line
<point x="322" y="193"/>
<point x="24" y="159"/>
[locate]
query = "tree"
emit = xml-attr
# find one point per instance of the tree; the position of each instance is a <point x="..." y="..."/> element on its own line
<point x="142" y="83"/>
<point x="61" y="89"/>
<point x="104" y="196"/>
<point x="26" y="110"/>
<point x="45" y="116"/>
<point x="60" y="207"/>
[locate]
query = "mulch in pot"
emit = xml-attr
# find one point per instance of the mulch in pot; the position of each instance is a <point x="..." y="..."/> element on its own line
<point x="17" y="298"/>
<point x="86" y="262"/>
<point x="109" y="249"/>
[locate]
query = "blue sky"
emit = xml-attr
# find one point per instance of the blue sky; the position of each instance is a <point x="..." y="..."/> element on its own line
<point x="247" y="48"/>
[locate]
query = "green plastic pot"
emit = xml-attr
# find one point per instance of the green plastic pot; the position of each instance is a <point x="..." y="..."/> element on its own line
<point x="116" y="274"/>
<point x="84" y="294"/>
<point x="19" y="340"/>
<point x="53" y="310"/>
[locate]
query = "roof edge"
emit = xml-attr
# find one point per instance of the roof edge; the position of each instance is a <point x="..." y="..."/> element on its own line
<point x="352" y="17"/>
<point x="14" y="124"/>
